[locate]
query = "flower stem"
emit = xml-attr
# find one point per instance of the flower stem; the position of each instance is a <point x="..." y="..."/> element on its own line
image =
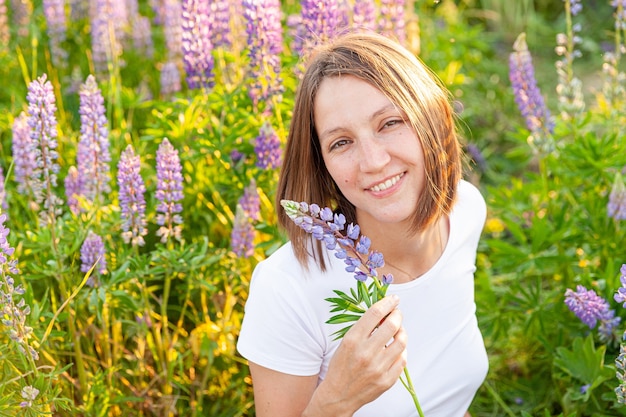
<point x="408" y="384"/>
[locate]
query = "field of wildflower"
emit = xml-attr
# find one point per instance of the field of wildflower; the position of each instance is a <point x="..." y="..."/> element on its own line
<point x="140" y="145"/>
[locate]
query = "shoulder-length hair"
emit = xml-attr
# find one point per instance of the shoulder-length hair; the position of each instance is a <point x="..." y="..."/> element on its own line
<point x="411" y="86"/>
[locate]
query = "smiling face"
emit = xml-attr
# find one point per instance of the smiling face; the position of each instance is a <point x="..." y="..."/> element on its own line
<point x="369" y="149"/>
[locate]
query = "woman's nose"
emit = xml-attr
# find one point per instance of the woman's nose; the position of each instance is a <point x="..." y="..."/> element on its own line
<point x="374" y="155"/>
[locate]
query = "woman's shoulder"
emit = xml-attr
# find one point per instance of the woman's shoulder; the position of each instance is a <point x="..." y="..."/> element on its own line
<point x="470" y="197"/>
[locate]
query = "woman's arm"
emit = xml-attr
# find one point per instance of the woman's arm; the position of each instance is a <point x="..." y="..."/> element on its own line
<point x="364" y="366"/>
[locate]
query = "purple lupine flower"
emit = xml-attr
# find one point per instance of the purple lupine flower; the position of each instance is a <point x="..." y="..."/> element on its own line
<point x="620" y="364"/>
<point x="56" y="25"/>
<point x="575" y="6"/>
<point x="5" y="34"/>
<point x="267" y="147"/>
<point x="320" y="21"/>
<point x="24" y="160"/>
<point x="21" y="11"/>
<point x="13" y="311"/>
<point x="108" y="18"/>
<point x="236" y="156"/>
<point x="527" y="94"/>
<point x="616" y="208"/>
<point x="477" y="156"/>
<point x="92" y="253"/>
<point x="324" y="225"/>
<point x="72" y="189"/>
<point x="93" y="157"/>
<point x="169" y="191"/>
<point x="620" y="295"/>
<point x="29" y="394"/>
<point x="242" y="235"/>
<point x="131" y="197"/>
<point x="590" y="308"/>
<point x="170" y="78"/>
<point x="364" y="14"/>
<point x="265" y="42"/>
<point x="250" y="201"/>
<point x="196" y="44"/>
<point x="392" y="19"/>
<point x="219" y="14"/>
<point x="569" y="88"/>
<point x="142" y="35"/>
<point x="620" y="14"/>
<point x="172" y="28"/>
<point x="43" y="132"/>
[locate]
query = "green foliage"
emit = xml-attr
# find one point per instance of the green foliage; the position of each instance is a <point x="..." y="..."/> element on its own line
<point x="157" y="335"/>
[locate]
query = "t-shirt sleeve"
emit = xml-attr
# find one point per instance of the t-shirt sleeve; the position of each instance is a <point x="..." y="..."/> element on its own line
<point x="279" y="330"/>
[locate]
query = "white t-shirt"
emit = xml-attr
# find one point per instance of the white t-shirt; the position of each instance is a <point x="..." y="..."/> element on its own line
<point x="284" y="326"/>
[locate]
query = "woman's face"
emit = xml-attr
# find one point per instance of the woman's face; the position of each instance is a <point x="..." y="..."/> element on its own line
<point x="369" y="149"/>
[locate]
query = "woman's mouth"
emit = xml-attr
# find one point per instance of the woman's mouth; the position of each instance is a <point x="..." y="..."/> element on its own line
<point x="387" y="184"/>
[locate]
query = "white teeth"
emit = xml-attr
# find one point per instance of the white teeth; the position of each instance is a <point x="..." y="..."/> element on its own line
<point x="390" y="182"/>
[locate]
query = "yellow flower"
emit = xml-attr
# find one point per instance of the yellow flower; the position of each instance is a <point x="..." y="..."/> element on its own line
<point x="494" y="225"/>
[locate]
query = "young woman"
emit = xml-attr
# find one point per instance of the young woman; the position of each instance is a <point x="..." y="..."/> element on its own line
<point x="372" y="136"/>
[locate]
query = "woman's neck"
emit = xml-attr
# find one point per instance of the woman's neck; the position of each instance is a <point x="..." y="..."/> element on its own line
<point x="408" y="256"/>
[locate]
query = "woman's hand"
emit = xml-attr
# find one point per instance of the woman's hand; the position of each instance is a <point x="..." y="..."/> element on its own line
<point x="369" y="360"/>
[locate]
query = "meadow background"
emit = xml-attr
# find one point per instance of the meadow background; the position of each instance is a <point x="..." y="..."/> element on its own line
<point x="140" y="144"/>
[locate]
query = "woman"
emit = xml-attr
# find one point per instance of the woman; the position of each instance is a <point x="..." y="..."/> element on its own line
<point x="373" y="137"/>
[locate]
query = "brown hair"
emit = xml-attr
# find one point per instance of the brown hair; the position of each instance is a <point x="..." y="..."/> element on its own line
<point x="411" y="86"/>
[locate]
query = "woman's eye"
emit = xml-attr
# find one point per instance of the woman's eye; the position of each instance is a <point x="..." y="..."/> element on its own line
<point x="338" y="144"/>
<point x="392" y="123"/>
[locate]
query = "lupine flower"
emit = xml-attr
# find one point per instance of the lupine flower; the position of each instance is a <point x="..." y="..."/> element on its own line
<point x="327" y="227"/>
<point x="236" y="156"/>
<point x="364" y="14"/>
<point x="172" y="28"/>
<point x="392" y="19"/>
<point x="43" y="132"/>
<point x="574" y="6"/>
<point x="196" y="43"/>
<point x="250" y="201"/>
<point x="5" y="34"/>
<point x="170" y="78"/>
<point x="24" y="160"/>
<point x="620" y="364"/>
<point x="219" y="14"/>
<point x="56" y="25"/>
<point x="268" y="148"/>
<point x="92" y="253"/>
<point x="620" y="361"/>
<point x="93" y="157"/>
<point x="590" y="308"/>
<point x="569" y="87"/>
<point x="477" y="156"/>
<point x="265" y="40"/>
<point x="242" y="235"/>
<point x="107" y="20"/>
<point x="528" y="96"/>
<point x="616" y="207"/>
<point x="21" y="11"/>
<point x="320" y="21"/>
<point x="620" y="14"/>
<point x="131" y="197"/>
<point x="72" y="189"/>
<point x="142" y="35"/>
<point x="620" y="295"/>
<point x="29" y="394"/>
<point x="169" y="191"/>
<point x="13" y="309"/>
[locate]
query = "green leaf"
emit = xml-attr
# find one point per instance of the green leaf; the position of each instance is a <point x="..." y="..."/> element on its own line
<point x="584" y="362"/>
<point x="343" y="318"/>
<point x="364" y="293"/>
